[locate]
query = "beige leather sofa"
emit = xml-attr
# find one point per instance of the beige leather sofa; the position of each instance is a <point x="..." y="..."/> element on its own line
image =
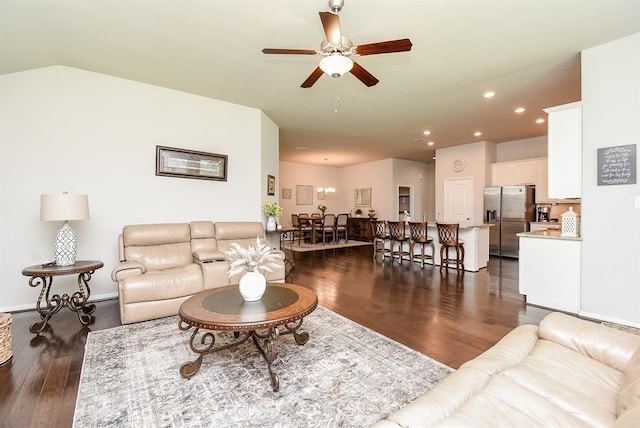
<point x="161" y="265"/>
<point x="567" y="372"/>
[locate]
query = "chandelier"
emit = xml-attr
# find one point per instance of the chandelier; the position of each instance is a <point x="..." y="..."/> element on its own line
<point x="326" y="190"/>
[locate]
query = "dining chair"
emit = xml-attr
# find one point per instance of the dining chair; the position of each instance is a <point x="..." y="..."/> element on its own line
<point x="380" y="236"/>
<point x="327" y="226"/>
<point x="342" y="227"/>
<point x="299" y="228"/>
<point x="316" y="215"/>
<point x="449" y="238"/>
<point x="418" y="236"/>
<point x="398" y="236"/>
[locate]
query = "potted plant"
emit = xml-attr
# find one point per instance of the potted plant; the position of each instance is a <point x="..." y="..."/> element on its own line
<point x="254" y="261"/>
<point x="322" y="208"/>
<point x="271" y="210"/>
<point x="358" y="212"/>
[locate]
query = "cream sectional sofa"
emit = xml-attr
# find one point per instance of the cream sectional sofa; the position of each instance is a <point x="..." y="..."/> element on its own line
<point x="567" y="372"/>
<point x="161" y="265"/>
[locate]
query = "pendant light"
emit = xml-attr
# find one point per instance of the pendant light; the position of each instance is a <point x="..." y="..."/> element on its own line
<point x="326" y="190"/>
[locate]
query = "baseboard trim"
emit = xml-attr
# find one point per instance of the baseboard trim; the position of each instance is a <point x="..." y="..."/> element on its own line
<point x="32" y="307"/>
<point x="600" y="317"/>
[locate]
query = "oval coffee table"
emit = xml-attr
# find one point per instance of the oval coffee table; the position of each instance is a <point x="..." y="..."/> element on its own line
<point x="223" y="309"/>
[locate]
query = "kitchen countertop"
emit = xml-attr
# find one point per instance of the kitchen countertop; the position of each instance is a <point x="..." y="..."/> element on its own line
<point x="549" y="234"/>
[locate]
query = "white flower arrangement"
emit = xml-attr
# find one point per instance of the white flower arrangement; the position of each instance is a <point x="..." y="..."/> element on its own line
<point x="252" y="259"/>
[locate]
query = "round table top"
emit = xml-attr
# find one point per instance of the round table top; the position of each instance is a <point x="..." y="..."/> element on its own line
<point x="80" y="266"/>
<point x="224" y="309"/>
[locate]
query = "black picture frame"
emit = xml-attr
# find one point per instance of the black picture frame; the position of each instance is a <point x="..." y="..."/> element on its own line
<point x="271" y="185"/>
<point x="184" y="163"/>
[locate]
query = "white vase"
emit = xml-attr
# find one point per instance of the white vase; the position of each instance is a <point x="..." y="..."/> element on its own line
<point x="252" y="286"/>
<point x="271" y="224"/>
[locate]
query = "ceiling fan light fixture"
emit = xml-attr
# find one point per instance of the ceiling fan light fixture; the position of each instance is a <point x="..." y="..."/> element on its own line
<point x="336" y="65"/>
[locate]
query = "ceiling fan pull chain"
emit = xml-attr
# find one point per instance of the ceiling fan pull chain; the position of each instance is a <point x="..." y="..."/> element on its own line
<point x="337" y="94"/>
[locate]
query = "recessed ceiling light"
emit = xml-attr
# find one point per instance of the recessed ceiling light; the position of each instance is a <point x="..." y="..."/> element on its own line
<point x="430" y="143"/>
<point x="477" y="134"/>
<point x="489" y="94"/>
<point x="301" y="148"/>
<point x="519" y="110"/>
<point x="427" y="132"/>
<point x="541" y="120"/>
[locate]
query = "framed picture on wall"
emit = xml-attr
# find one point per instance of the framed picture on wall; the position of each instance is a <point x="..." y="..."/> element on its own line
<point x="304" y="194"/>
<point x="184" y="163"/>
<point x="271" y="185"/>
<point x="286" y="193"/>
<point x="362" y="197"/>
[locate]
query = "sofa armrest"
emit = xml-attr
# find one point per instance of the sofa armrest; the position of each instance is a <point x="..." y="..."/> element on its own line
<point x="208" y="256"/>
<point x="125" y="269"/>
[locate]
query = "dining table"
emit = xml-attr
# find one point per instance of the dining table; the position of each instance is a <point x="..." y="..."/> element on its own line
<point x="312" y="222"/>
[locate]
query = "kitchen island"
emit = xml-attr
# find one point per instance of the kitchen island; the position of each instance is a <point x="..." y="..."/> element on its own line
<point x="549" y="268"/>
<point x="476" y="244"/>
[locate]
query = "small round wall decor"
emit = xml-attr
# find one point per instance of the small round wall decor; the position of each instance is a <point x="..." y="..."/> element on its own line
<point x="458" y="165"/>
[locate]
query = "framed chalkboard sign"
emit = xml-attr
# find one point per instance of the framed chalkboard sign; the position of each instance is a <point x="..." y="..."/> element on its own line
<point x="617" y="165"/>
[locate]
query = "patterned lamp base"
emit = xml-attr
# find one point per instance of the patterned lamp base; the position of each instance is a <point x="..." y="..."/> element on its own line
<point x="66" y="246"/>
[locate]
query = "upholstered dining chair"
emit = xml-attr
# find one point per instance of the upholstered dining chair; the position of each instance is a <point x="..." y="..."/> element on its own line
<point x="341" y="227"/>
<point x="418" y="236"/>
<point x="397" y="236"/>
<point x="327" y="227"/>
<point x="448" y="239"/>
<point x="299" y="228"/>
<point x="380" y="238"/>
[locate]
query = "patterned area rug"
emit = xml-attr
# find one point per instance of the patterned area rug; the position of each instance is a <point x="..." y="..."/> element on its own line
<point x="328" y="246"/>
<point x="345" y="376"/>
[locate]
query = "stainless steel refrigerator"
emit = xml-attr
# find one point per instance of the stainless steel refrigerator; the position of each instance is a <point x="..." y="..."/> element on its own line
<point x="509" y="209"/>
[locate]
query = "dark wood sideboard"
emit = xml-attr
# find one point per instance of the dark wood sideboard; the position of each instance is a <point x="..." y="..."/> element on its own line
<point x="359" y="228"/>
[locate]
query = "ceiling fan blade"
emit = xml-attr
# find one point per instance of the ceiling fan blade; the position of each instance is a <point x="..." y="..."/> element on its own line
<point x="331" y="25"/>
<point x="313" y="78"/>
<point x="402" y="45"/>
<point x="289" y="51"/>
<point x="363" y="75"/>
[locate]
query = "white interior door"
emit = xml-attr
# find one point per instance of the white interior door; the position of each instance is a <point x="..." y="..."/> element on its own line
<point x="458" y="200"/>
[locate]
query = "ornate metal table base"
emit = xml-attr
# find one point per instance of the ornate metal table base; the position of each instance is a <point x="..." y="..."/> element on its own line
<point x="48" y="305"/>
<point x="206" y="345"/>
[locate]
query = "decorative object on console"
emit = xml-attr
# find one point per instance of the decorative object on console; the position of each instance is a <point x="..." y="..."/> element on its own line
<point x="271" y="210"/>
<point x="570" y="223"/>
<point x="372" y="213"/>
<point x="64" y="207"/>
<point x="254" y="260"/>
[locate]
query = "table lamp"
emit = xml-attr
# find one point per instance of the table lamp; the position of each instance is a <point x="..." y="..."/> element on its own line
<point x="64" y="207"/>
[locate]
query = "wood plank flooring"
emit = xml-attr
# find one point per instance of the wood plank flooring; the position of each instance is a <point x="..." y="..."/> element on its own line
<point x="449" y="317"/>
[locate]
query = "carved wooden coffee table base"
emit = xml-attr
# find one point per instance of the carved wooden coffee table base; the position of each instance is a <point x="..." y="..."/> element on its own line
<point x="280" y="312"/>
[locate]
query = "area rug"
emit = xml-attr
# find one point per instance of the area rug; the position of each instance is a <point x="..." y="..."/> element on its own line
<point x="328" y="246"/>
<point x="345" y="376"/>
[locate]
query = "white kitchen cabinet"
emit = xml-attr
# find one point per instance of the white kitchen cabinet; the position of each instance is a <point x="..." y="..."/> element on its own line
<point x="513" y="173"/>
<point x="542" y="195"/>
<point x="564" y="144"/>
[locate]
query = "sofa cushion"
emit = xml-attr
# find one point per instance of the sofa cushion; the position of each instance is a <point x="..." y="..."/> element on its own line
<point x="242" y="233"/>
<point x="158" y="246"/>
<point x="162" y="284"/>
<point x="629" y="396"/>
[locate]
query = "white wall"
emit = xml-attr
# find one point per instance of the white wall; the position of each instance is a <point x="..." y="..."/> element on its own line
<point x="610" y="223"/>
<point x="478" y="158"/>
<point x="64" y="129"/>
<point x="528" y="148"/>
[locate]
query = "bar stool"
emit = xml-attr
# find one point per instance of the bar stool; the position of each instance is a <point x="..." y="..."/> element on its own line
<point x="397" y="235"/>
<point x="380" y="236"/>
<point x="448" y="238"/>
<point x="418" y="236"/>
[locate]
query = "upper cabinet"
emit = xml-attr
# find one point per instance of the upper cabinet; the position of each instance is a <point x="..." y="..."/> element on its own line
<point x="564" y="151"/>
<point x="513" y="173"/>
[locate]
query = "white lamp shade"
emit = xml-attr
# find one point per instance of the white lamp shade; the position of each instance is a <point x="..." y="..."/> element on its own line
<point x="336" y="65"/>
<point x="63" y="207"/>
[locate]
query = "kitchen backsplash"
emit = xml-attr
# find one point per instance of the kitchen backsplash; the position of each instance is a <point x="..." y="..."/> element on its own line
<point x="556" y="210"/>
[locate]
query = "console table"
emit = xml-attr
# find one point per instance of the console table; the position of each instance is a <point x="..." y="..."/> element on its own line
<point x="360" y="228"/>
<point x="42" y="275"/>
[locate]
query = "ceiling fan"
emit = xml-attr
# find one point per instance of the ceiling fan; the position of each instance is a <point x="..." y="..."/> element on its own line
<point x="338" y="50"/>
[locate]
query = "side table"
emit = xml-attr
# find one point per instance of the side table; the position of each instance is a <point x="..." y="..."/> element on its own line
<point x="42" y="275"/>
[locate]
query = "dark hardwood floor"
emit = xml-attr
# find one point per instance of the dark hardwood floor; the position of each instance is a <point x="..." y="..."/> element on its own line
<point x="451" y="318"/>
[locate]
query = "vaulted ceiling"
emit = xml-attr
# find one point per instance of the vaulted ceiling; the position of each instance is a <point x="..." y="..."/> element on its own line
<point x="527" y="51"/>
